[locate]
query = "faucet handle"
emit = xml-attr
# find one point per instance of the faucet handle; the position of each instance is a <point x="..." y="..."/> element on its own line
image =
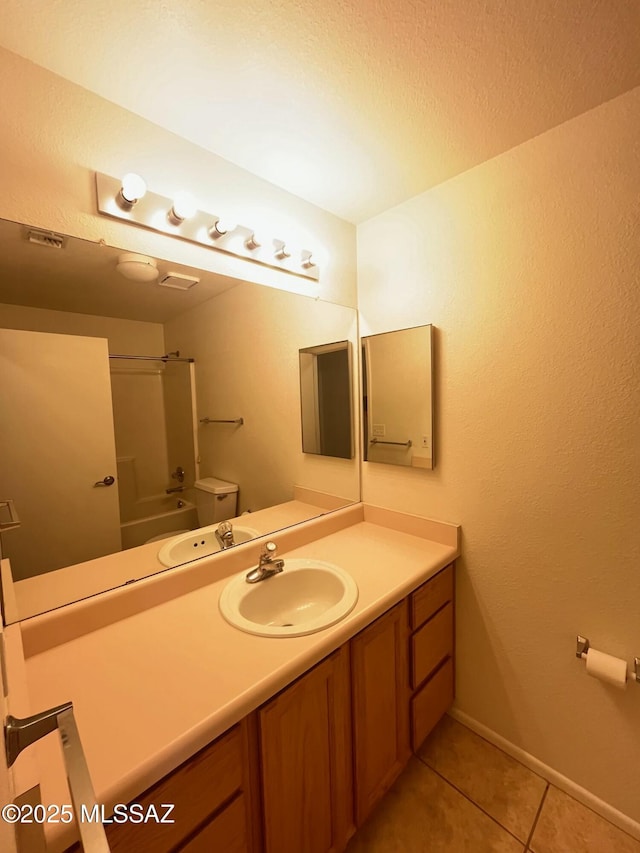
<point x="269" y="551"/>
<point x="224" y="527"/>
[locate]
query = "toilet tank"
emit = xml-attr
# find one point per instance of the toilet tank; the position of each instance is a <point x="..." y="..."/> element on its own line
<point x="216" y="500"/>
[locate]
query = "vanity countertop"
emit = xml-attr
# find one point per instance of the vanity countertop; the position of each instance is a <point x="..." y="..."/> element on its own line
<point x="42" y="593"/>
<point x="162" y="676"/>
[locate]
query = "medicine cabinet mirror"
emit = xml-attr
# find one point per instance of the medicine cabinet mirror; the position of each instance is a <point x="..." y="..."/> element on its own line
<point x="325" y="399"/>
<point x="397" y="397"/>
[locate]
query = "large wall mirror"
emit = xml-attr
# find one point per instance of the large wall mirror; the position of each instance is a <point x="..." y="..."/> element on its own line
<point x="397" y="397"/>
<point x="120" y="395"/>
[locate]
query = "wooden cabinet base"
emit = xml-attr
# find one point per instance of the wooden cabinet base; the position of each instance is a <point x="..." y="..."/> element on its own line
<point x="227" y="832"/>
<point x="380" y="707"/>
<point x="430" y="703"/>
<point x="197" y="790"/>
<point x="305" y="740"/>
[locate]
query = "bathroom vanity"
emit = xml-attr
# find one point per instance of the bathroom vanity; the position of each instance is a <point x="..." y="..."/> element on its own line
<point x="260" y="743"/>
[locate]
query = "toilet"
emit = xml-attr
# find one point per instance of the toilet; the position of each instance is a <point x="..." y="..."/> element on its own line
<point x="216" y="500"/>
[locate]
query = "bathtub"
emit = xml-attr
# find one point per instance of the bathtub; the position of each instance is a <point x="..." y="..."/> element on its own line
<point x="153" y="516"/>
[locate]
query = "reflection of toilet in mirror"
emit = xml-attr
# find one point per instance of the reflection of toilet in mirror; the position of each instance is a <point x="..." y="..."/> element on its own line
<point x="216" y="500"/>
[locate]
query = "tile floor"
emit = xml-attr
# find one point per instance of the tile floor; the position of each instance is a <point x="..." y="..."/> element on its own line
<point x="461" y="794"/>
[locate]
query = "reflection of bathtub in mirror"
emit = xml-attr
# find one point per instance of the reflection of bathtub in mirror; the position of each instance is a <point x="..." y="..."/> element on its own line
<point x="159" y="516"/>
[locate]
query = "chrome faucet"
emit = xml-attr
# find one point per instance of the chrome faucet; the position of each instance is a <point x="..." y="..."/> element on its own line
<point x="267" y="566"/>
<point x="178" y="475"/>
<point x="224" y="534"/>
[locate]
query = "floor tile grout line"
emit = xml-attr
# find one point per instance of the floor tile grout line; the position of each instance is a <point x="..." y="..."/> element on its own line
<point x="535" y="820"/>
<point x="467" y="797"/>
<point x="499" y="748"/>
<point x="533" y="772"/>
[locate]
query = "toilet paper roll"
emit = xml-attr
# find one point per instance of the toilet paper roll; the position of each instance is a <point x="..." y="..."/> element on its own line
<point x="607" y="668"/>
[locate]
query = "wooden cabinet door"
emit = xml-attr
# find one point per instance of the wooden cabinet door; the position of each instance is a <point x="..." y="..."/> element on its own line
<point x="305" y="737"/>
<point x="226" y="833"/>
<point x="199" y="789"/>
<point x="380" y="679"/>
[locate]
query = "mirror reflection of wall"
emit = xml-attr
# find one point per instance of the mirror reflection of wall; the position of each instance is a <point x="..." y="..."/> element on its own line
<point x="397" y="404"/>
<point x="325" y="400"/>
<point x="78" y="416"/>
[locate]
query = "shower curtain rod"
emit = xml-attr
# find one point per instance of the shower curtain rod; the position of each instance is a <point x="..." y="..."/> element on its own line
<point x="165" y="358"/>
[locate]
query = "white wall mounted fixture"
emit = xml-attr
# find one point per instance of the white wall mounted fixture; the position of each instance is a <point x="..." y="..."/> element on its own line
<point x="137" y="267"/>
<point x="178" y="219"/>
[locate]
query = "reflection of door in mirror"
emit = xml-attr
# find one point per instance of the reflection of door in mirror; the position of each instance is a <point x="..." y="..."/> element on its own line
<point x="80" y="415"/>
<point x="325" y="400"/>
<point x="397" y="397"/>
<point x="57" y="430"/>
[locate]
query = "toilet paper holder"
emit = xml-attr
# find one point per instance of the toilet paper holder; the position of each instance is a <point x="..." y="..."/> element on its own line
<point x="582" y="647"/>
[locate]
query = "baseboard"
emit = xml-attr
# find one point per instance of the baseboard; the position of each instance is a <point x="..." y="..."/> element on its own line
<point x="583" y="796"/>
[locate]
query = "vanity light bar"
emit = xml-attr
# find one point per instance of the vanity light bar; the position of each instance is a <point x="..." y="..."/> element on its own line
<point x="177" y="218"/>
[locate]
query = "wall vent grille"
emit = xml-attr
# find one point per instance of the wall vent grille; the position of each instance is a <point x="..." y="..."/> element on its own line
<point x="46" y="238"/>
<point x="178" y="281"/>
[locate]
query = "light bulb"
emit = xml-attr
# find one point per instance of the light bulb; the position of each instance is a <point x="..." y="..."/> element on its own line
<point x="255" y="241"/>
<point x="308" y="259"/>
<point x="184" y="207"/>
<point x="283" y="251"/>
<point x="221" y="227"/>
<point x="132" y="189"/>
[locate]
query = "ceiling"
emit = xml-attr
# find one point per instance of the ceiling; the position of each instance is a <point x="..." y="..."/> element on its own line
<point x="354" y="106"/>
<point x="81" y="277"/>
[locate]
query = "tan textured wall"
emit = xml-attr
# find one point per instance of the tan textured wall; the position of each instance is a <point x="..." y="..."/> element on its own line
<point x="245" y="342"/>
<point x="54" y="135"/>
<point x="528" y="266"/>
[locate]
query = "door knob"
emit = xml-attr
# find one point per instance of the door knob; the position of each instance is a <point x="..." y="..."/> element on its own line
<point x="108" y="481"/>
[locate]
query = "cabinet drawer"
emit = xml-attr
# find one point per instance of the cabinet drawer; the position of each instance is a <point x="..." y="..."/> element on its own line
<point x="430" y="703"/>
<point x="431" y="644"/>
<point x="431" y="596"/>
<point x="227" y="832"/>
<point x="197" y="789"/>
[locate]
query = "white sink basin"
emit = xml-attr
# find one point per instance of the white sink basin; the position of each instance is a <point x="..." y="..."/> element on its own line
<point x="199" y="543"/>
<point x="307" y="596"/>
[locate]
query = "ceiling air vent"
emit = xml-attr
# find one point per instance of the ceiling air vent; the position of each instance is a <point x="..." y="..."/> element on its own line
<point x="177" y="281"/>
<point x="46" y="238"/>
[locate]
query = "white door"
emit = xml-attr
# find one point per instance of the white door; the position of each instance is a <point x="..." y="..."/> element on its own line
<point x="57" y="442"/>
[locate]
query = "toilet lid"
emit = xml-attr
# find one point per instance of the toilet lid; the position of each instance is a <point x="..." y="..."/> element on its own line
<point x="168" y="535"/>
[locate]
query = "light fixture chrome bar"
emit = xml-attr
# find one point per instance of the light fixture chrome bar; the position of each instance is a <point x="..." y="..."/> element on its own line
<point x="164" y="358"/>
<point x="398" y="443"/>
<point x="152" y="211"/>
<point x="239" y="421"/>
